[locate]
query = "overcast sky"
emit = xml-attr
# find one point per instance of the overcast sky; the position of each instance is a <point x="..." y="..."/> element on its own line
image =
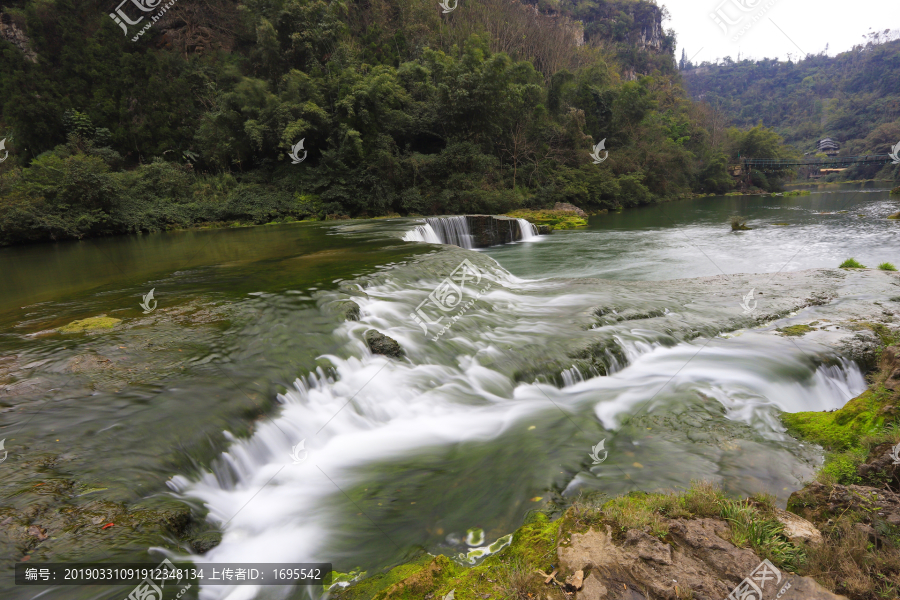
<point x="806" y="26"/>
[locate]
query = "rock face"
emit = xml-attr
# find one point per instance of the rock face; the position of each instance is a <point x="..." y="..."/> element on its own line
<point x="544" y="229"/>
<point x="12" y="34"/>
<point x="797" y="529"/>
<point x="698" y="563"/>
<point x="488" y="230"/>
<point x="381" y="344"/>
<point x="819" y="502"/>
<point x="566" y="207"/>
<point x="879" y="469"/>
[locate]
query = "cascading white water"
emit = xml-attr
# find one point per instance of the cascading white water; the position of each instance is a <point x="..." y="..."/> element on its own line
<point x="442" y="230"/>
<point x="422" y="233"/>
<point x="529" y="231"/>
<point x="408" y="418"/>
<point x="452" y="230"/>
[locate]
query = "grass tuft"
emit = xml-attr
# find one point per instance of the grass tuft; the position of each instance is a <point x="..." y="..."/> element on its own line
<point x="886" y="266"/>
<point x="852" y="263"/>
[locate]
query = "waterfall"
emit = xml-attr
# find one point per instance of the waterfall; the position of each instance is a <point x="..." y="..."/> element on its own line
<point x="442" y="230"/>
<point x="529" y="231"/>
<point x="422" y="233"/>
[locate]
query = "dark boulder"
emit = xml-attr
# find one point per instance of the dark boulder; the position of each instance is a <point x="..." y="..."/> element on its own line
<point x="381" y="344"/>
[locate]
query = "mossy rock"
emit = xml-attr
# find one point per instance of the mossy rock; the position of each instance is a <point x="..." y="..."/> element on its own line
<point x="555" y="219"/>
<point x="99" y="323"/>
<point x="841" y="429"/>
<point x="206" y="541"/>
<point x="434" y="577"/>
<point x="415" y="579"/>
<point x="794" y="330"/>
<point x="347" y="309"/>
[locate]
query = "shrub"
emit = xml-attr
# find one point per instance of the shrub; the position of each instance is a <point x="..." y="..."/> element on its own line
<point x="886" y="266"/>
<point x="738" y="223"/>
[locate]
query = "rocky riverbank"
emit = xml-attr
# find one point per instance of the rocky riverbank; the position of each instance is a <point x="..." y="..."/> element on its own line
<point x="837" y="539"/>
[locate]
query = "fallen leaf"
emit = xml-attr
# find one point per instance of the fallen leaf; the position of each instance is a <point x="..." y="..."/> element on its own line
<point x="108" y="525"/>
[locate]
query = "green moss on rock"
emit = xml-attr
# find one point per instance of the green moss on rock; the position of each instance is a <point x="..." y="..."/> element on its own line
<point x="90" y="324"/>
<point x="841" y="429"/>
<point x="533" y="547"/>
<point x="556" y="219"/>
<point x="794" y="330"/>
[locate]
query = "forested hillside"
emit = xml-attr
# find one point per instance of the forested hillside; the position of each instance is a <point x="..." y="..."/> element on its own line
<point x="853" y="98"/>
<point x="402" y="108"/>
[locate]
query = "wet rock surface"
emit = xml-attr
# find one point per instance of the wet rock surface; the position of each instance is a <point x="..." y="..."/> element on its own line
<point x="381" y="344"/>
<point x="490" y="230"/>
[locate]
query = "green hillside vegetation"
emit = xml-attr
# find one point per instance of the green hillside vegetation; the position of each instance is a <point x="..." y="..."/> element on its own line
<point x="401" y="109"/>
<point x="853" y="98"/>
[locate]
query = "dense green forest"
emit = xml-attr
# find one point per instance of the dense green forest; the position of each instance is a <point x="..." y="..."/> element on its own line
<point x="402" y="108"/>
<point x="853" y="98"/>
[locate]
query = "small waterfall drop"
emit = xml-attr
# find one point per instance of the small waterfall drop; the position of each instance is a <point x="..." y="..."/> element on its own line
<point x="529" y="231"/>
<point x="442" y="230"/>
<point x="422" y="233"/>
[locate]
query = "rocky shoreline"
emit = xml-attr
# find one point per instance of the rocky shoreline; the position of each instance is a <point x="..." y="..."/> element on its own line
<point x="836" y="541"/>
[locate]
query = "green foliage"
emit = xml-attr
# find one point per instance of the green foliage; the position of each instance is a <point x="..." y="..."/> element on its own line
<point x="490" y="111"/>
<point x="886" y="266"/>
<point x="844" y="97"/>
<point x="852" y="263"/>
<point x="765" y="534"/>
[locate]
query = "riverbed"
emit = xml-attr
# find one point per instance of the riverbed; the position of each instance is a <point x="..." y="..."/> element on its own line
<point x="245" y="394"/>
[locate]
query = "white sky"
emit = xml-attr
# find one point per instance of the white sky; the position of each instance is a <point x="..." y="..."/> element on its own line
<point x="809" y="23"/>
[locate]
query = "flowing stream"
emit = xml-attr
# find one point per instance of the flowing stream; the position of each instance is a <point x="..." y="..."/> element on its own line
<point x="210" y="396"/>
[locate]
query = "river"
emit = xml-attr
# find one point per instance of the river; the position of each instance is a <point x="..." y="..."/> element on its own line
<point x="207" y="397"/>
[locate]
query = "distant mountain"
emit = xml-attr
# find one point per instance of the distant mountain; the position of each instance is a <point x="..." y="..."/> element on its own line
<point x="852" y="98"/>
